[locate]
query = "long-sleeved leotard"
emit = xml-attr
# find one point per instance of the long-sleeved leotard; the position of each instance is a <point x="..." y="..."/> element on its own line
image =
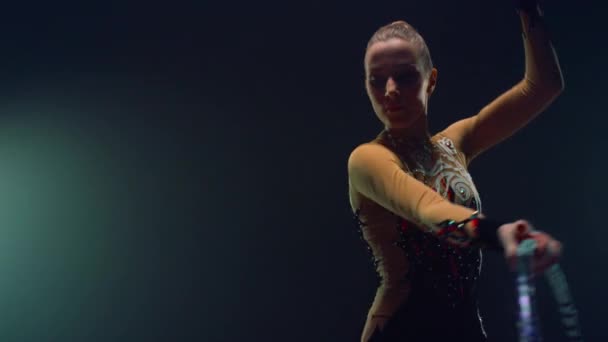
<point x="400" y="190"/>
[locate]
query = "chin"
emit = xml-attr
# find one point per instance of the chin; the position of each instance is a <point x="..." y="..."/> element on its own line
<point x="403" y="123"/>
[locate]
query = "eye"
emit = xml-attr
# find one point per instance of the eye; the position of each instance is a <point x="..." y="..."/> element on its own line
<point x="376" y="82"/>
<point x="406" y="78"/>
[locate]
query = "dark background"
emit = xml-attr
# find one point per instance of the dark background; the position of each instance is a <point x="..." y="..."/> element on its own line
<point x="177" y="172"/>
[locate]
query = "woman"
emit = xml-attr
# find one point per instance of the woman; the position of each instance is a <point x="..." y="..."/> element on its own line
<point x="415" y="202"/>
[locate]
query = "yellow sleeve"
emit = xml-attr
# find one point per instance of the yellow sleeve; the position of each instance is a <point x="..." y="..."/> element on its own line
<point x="513" y="109"/>
<point x="376" y="173"/>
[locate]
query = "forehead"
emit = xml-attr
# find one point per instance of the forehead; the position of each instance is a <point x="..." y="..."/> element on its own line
<point x="391" y="53"/>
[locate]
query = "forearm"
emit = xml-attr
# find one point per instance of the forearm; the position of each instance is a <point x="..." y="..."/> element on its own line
<point x="375" y="173"/>
<point x="542" y="65"/>
<point x="378" y="175"/>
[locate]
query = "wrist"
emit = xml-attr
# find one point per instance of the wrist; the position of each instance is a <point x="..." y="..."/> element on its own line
<point x="487" y="232"/>
<point x="477" y="229"/>
<point x="470" y="228"/>
<point x="529" y="12"/>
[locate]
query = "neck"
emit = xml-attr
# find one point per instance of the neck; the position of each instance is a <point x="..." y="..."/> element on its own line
<point x="417" y="131"/>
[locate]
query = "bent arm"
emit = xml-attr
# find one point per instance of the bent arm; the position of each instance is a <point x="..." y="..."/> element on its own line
<point x="376" y="173"/>
<point x="512" y="110"/>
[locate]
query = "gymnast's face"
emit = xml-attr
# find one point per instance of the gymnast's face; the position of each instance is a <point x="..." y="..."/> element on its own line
<point x="397" y="84"/>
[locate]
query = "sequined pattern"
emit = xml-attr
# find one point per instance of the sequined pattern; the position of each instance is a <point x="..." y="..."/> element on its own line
<point x="449" y="272"/>
<point x="360" y="225"/>
<point x="444" y="271"/>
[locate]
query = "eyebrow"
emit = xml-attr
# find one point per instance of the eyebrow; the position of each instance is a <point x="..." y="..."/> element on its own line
<point x="375" y="68"/>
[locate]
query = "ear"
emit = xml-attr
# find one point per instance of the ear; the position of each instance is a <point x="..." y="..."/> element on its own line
<point x="432" y="82"/>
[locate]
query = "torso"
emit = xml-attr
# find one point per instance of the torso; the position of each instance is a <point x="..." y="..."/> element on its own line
<point x="407" y="259"/>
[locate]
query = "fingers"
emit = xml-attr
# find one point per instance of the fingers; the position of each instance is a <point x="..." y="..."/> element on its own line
<point x="511" y="235"/>
<point x="524" y="229"/>
<point x="547" y="253"/>
<point x="542" y="241"/>
<point x="506" y="234"/>
<point x="555" y="247"/>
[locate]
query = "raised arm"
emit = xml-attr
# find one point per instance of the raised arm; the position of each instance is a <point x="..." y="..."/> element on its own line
<point x="512" y="110"/>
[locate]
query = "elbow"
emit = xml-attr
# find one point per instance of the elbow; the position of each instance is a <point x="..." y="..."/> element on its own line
<point x="556" y="88"/>
<point x="555" y="83"/>
<point x="562" y="84"/>
<point x="548" y="88"/>
<point x="553" y="91"/>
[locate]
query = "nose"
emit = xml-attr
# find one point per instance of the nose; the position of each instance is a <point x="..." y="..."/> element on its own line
<point x="391" y="89"/>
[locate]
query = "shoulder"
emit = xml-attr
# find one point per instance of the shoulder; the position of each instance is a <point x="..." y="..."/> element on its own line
<point x="451" y="146"/>
<point x="446" y="142"/>
<point x="369" y="155"/>
<point x="457" y="131"/>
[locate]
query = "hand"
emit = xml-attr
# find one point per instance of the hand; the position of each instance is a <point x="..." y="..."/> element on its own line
<point x="547" y="252"/>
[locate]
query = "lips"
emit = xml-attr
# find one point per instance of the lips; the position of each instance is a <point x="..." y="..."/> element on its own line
<point x="393" y="108"/>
